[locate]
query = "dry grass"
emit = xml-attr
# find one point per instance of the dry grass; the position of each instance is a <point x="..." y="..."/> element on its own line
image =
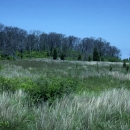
<point x="45" y="67"/>
<point x="13" y="112"/>
<point x="108" y="111"/>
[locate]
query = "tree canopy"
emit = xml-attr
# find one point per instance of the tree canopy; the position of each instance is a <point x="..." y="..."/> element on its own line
<point x="14" y="39"/>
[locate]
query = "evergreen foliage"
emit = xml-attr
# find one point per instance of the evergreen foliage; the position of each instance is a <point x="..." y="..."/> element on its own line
<point x="54" y="54"/>
<point x="89" y="58"/>
<point x="110" y="68"/>
<point x="79" y="57"/>
<point x="96" y="56"/>
<point x="62" y="56"/>
<point x="102" y="58"/>
<point x="124" y="63"/>
<point x="127" y="68"/>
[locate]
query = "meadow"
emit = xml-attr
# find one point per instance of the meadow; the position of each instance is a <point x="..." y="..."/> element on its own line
<point x="45" y="94"/>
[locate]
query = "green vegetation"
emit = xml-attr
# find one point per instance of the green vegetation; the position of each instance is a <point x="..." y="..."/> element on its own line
<point x="55" y="54"/>
<point x="79" y="57"/>
<point x="124" y="63"/>
<point x="96" y="56"/>
<point x="104" y="111"/>
<point x="22" y="44"/>
<point x="127" y="68"/>
<point x="38" y="94"/>
<point x="110" y="68"/>
<point x="62" y="56"/>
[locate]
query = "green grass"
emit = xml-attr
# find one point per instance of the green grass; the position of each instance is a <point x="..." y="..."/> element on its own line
<point x="64" y="95"/>
<point x="71" y="112"/>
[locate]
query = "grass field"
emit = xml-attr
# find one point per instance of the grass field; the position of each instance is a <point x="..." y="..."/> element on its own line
<point x="44" y="94"/>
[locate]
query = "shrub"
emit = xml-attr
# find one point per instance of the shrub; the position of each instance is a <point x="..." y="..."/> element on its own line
<point x="127" y="68"/>
<point x="54" y="54"/>
<point x="124" y="63"/>
<point x="0" y="57"/>
<point x="41" y="89"/>
<point x="79" y="57"/>
<point x="12" y="84"/>
<point x="50" y="89"/>
<point x="0" y="67"/>
<point x="110" y="68"/>
<point x="89" y="58"/>
<point x="62" y="56"/>
<point x="97" y="67"/>
<point x="96" y="56"/>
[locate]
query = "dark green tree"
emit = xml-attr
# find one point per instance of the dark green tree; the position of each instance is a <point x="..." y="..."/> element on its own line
<point x="127" y="68"/>
<point x="110" y="68"/>
<point x="124" y="63"/>
<point x="54" y="54"/>
<point x="14" y="39"/>
<point x="21" y="54"/>
<point x="62" y="56"/>
<point x="96" y="56"/>
<point x="79" y="57"/>
<point x="89" y="58"/>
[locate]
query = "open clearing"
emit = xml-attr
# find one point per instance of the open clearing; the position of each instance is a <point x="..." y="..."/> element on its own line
<point x="44" y="94"/>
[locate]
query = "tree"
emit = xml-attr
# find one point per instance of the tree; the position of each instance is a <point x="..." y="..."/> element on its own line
<point x="62" y="56"/>
<point x="114" y="52"/>
<point x="89" y="58"/>
<point x="79" y="57"/>
<point x="13" y="39"/>
<point x="96" y="55"/>
<point x="124" y="63"/>
<point x="55" y="54"/>
<point x="86" y="47"/>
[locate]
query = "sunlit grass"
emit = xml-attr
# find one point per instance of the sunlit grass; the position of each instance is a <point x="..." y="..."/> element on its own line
<point x="100" y="100"/>
<point x="80" y="69"/>
<point x="109" y="110"/>
<point x="13" y="111"/>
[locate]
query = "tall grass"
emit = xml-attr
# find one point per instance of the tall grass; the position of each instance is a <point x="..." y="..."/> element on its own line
<point x="99" y="100"/>
<point x="108" y="111"/>
<point x="105" y="112"/>
<point x="13" y="112"/>
<point x="49" y="68"/>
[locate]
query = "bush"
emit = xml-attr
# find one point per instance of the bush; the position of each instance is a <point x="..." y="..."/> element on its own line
<point x="110" y="68"/>
<point x="0" y="57"/>
<point x="112" y="59"/>
<point x="79" y="57"/>
<point x="31" y="54"/>
<point x="50" y="89"/>
<point x="124" y="63"/>
<point x="0" y="67"/>
<point x="54" y="54"/>
<point x="102" y="58"/>
<point x="41" y="89"/>
<point x="96" y="56"/>
<point x="89" y="58"/>
<point x="127" y="68"/>
<point x="62" y="57"/>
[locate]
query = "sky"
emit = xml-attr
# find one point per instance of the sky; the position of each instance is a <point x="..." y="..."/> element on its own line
<point x="108" y="19"/>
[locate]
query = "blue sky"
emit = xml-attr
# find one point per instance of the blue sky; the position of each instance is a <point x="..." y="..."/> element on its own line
<point x="108" y="19"/>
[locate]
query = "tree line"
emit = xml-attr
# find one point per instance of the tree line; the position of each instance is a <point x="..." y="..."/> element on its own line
<point x="15" y="42"/>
